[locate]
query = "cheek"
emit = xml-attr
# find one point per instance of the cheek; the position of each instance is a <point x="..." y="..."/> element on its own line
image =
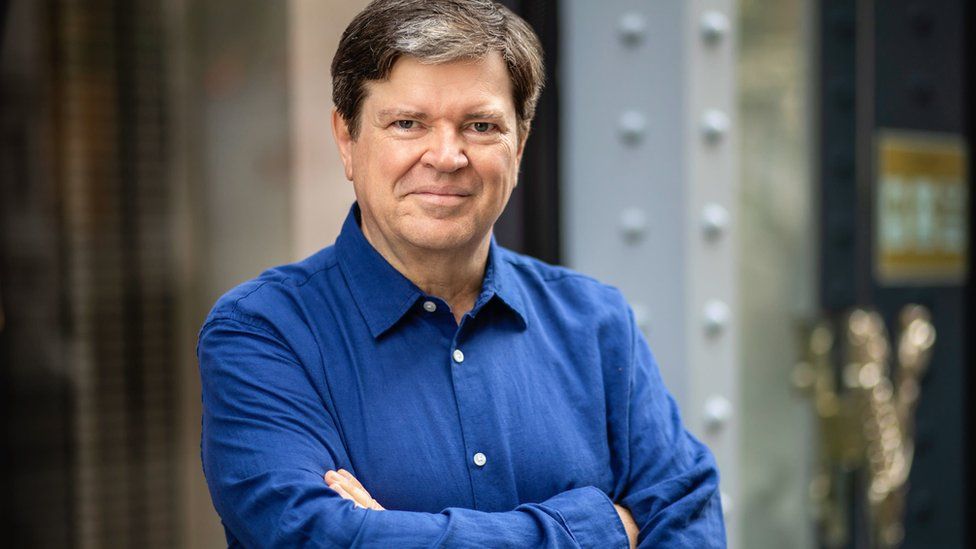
<point x="398" y="163"/>
<point x="381" y="165"/>
<point x="503" y="168"/>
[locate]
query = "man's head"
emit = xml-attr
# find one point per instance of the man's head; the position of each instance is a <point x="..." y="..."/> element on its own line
<point x="433" y="103"/>
<point x="435" y="31"/>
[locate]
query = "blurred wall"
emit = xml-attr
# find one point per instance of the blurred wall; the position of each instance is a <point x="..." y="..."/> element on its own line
<point x="777" y="268"/>
<point x="321" y="196"/>
<point x="231" y="141"/>
<point x="259" y="182"/>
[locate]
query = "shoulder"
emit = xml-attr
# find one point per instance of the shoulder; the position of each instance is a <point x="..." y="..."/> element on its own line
<point x="572" y="292"/>
<point x="276" y="293"/>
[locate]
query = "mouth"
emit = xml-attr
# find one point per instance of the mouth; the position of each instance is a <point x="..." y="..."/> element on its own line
<point x="440" y="197"/>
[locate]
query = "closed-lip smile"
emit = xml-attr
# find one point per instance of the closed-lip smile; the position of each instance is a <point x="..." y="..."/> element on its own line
<point x="441" y="196"/>
<point x="441" y="191"/>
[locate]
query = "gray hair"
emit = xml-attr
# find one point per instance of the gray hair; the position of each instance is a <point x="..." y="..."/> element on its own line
<point x="435" y="31"/>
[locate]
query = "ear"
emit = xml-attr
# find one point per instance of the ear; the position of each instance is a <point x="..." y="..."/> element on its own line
<point x="522" y="135"/>
<point x="344" y="140"/>
<point x="518" y="155"/>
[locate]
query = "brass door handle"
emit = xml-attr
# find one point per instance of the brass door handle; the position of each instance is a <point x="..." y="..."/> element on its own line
<point x="866" y="420"/>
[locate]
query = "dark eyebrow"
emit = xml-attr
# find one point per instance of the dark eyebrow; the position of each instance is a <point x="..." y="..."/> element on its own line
<point x="403" y="113"/>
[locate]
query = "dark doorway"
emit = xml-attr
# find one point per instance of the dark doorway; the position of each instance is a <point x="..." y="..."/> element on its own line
<point x="530" y="223"/>
<point x="899" y="68"/>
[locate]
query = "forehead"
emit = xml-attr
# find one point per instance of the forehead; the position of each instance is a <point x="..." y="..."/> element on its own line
<point x="434" y="87"/>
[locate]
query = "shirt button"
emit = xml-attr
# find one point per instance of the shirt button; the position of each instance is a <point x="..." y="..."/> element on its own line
<point x="430" y="306"/>
<point x="480" y="459"/>
<point x="458" y="356"/>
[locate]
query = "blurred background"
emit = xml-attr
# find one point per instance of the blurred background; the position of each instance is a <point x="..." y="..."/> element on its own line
<point x="747" y="172"/>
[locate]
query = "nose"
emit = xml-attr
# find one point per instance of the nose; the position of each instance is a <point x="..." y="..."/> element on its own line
<point x="445" y="152"/>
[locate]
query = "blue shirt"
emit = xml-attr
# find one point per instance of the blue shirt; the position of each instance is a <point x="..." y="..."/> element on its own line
<point x="339" y="361"/>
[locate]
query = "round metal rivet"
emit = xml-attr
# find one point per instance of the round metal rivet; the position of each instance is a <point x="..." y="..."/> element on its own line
<point x="632" y="28"/>
<point x="633" y="223"/>
<point x="717" y="316"/>
<point x="718" y="411"/>
<point x="714" y="26"/>
<point x="642" y="317"/>
<point x="726" y="504"/>
<point x="715" y="219"/>
<point x="715" y="124"/>
<point x="632" y="126"/>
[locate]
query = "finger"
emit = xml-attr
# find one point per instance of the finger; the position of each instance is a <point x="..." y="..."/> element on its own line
<point x="358" y="494"/>
<point x="344" y="494"/>
<point x="339" y="490"/>
<point x="352" y="486"/>
<point x="349" y="476"/>
<point x="361" y="493"/>
<point x="331" y="477"/>
<point x="373" y="504"/>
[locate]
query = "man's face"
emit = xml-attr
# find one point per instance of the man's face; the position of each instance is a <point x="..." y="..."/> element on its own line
<point x="437" y="154"/>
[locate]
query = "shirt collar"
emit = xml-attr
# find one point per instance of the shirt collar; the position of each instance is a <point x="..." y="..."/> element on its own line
<point x="383" y="295"/>
<point x="502" y="283"/>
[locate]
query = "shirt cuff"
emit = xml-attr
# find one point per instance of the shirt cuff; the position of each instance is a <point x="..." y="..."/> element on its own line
<point x="590" y="517"/>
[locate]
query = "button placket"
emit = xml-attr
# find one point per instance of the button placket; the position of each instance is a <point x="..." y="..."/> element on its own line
<point x="469" y="386"/>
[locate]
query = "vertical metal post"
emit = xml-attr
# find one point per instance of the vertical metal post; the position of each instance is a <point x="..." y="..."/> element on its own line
<point x="649" y="196"/>
<point x="711" y="267"/>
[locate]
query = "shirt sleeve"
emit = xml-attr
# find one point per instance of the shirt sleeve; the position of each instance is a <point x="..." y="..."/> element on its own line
<point x="665" y="477"/>
<point x="268" y="440"/>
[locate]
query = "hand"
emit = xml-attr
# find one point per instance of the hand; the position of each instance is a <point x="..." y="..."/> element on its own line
<point x="629" y="525"/>
<point x="346" y="485"/>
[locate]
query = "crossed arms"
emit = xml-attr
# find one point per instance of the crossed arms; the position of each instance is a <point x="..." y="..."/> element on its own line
<point x="267" y="446"/>
<point x="348" y="487"/>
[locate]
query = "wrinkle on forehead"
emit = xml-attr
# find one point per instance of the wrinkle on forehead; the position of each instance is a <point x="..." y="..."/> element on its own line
<point x="488" y="90"/>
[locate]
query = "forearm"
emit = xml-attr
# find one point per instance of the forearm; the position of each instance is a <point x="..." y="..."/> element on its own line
<point x="683" y="511"/>
<point x="666" y="478"/>
<point x="581" y="517"/>
<point x="289" y="509"/>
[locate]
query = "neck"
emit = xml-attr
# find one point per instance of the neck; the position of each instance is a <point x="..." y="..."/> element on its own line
<point x="455" y="275"/>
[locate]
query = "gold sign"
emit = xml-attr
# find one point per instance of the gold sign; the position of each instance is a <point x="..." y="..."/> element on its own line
<point x="921" y="228"/>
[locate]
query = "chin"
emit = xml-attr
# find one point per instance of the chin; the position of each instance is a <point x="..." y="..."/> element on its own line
<point x="439" y="235"/>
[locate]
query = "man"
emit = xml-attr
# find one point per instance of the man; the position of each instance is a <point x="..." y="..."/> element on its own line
<point x="417" y="385"/>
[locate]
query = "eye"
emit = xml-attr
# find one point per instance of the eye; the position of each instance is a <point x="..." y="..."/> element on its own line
<point x="483" y="127"/>
<point x="405" y="124"/>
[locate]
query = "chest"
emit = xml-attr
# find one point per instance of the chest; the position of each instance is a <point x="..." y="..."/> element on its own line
<point x="434" y="417"/>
